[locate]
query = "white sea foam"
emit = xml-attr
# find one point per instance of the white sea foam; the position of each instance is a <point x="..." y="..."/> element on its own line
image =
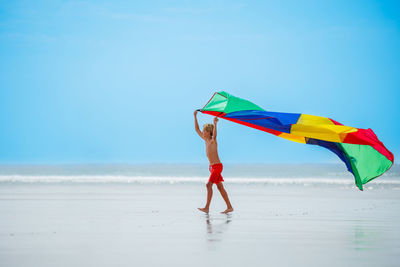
<point x="103" y="179"/>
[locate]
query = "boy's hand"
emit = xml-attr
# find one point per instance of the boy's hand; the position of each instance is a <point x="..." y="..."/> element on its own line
<point x="195" y="112"/>
<point x="215" y="120"/>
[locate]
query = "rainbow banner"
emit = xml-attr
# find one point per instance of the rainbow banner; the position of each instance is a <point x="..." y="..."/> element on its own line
<point x="360" y="149"/>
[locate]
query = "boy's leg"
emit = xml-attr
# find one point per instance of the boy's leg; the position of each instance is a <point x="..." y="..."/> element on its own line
<point x="209" y="196"/>
<point x="224" y="195"/>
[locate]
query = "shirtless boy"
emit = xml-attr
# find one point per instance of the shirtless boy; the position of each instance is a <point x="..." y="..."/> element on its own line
<point x="209" y="135"/>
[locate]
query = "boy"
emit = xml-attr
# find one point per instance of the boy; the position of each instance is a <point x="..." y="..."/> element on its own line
<point x="209" y="135"/>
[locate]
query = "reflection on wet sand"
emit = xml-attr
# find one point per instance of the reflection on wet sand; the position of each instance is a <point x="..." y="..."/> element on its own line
<point x="216" y="226"/>
<point x="365" y="236"/>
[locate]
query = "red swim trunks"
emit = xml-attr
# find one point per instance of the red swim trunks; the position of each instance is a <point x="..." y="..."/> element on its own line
<point x="216" y="176"/>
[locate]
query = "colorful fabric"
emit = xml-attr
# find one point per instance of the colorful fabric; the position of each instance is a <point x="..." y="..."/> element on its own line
<point x="216" y="170"/>
<point x="360" y="149"/>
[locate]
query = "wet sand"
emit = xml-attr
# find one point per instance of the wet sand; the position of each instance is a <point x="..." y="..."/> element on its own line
<point x="159" y="225"/>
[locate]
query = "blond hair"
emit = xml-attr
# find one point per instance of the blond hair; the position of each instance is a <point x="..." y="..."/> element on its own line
<point x="209" y="128"/>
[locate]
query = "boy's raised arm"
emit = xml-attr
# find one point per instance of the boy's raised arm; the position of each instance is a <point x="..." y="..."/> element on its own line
<point x="214" y="135"/>
<point x="196" y="125"/>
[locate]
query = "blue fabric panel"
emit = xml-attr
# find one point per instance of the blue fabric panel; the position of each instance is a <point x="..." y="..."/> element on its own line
<point x="273" y="120"/>
<point x="334" y="147"/>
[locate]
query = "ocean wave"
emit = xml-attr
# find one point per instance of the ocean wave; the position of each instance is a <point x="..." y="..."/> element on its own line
<point x="104" y="179"/>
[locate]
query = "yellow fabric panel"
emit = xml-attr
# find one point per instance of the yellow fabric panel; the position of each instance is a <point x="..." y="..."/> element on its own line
<point x="313" y="120"/>
<point x="292" y="137"/>
<point x="333" y="133"/>
<point x="321" y="128"/>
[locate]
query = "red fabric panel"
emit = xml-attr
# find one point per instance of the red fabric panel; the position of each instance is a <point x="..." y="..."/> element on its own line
<point x="368" y="137"/>
<point x="214" y="113"/>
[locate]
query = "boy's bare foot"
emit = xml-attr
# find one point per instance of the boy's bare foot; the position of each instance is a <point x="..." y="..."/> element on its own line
<point x="203" y="210"/>
<point x="227" y="210"/>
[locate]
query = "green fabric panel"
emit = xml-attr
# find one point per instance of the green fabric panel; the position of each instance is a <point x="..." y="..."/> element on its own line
<point x="224" y="102"/>
<point x="217" y="103"/>
<point x="366" y="162"/>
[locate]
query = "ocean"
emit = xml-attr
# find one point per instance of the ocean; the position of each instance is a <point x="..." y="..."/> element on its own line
<point x="268" y="174"/>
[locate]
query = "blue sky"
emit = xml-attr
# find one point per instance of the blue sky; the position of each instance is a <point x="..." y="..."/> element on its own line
<point x="117" y="81"/>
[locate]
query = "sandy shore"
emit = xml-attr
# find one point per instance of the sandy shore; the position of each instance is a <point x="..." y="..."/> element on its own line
<point x="159" y="225"/>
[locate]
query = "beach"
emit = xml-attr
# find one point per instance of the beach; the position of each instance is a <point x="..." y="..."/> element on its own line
<point x="153" y="223"/>
<point x="114" y="113"/>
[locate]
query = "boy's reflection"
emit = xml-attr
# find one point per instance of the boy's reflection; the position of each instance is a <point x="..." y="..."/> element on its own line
<point x="216" y="226"/>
